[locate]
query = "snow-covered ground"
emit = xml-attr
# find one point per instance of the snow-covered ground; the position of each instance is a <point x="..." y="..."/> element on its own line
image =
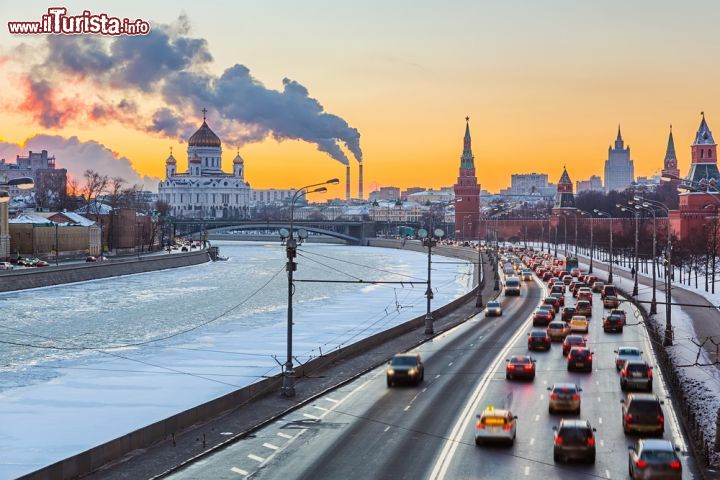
<point x="70" y="377"/>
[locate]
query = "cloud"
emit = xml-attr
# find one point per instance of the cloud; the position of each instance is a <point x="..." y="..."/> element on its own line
<point x="77" y="156"/>
<point x="170" y="66"/>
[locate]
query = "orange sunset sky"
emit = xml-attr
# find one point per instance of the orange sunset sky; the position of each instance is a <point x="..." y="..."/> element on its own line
<point x="544" y="83"/>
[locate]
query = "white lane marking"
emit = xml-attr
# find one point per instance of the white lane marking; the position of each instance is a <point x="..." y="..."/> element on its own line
<point x="256" y="458"/>
<point x="602" y="443"/>
<point x="537" y="418"/>
<point x="472" y="344"/>
<point x="423" y="390"/>
<point x="387" y="428"/>
<point x="542" y="396"/>
<point x="284" y="435"/>
<point x="239" y="471"/>
<point x="313" y="417"/>
<point x="607" y="473"/>
<point x="450" y="364"/>
<point x="331" y="400"/>
<point x="532" y="440"/>
<point x="321" y="408"/>
<point x="437" y="376"/>
<point x="527" y="471"/>
<point x="597" y="382"/>
<point x="545" y="382"/>
<point x="600" y="420"/>
<point x="270" y="446"/>
<point x="443" y="462"/>
<point x="407" y="408"/>
<point x="599" y="399"/>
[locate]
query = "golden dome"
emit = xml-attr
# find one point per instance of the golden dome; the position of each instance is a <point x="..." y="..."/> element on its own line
<point x="238" y="160"/>
<point x="171" y="160"/>
<point x="204" y="137"/>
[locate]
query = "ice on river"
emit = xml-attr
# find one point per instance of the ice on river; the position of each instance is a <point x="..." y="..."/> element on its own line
<point x="70" y="378"/>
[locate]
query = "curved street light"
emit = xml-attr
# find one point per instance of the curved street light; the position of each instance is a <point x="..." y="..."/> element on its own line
<point x="288" y="384"/>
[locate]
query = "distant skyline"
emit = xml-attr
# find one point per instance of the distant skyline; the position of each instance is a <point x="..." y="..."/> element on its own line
<point x="545" y="85"/>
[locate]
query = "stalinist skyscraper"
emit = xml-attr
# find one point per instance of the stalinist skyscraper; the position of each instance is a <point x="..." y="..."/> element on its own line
<point x="619" y="169"/>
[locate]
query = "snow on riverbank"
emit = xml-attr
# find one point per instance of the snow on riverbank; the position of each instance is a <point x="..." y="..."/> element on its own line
<point x="55" y="403"/>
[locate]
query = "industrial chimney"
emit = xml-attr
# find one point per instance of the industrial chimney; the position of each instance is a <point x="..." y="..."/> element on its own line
<point x="360" y="183"/>
<point x="347" y="183"/>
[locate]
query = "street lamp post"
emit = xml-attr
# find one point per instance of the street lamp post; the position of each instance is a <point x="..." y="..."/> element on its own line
<point x="653" y="302"/>
<point x="429" y="240"/>
<point x="637" y="216"/>
<point x="605" y="214"/>
<point x="288" y="384"/>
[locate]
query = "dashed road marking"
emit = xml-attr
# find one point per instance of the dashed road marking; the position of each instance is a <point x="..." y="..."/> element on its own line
<point x="599" y="399"/>
<point x="423" y="390"/>
<point x="542" y="396"/>
<point x="527" y="471"/>
<point x="239" y="471"/>
<point x="387" y="428"/>
<point x="602" y="443"/>
<point x="545" y="382"/>
<point x="313" y="417"/>
<point x="532" y="440"/>
<point x="256" y="458"/>
<point x="600" y="420"/>
<point x="284" y="435"/>
<point x="407" y="408"/>
<point x="450" y="364"/>
<point x="437" y="376"/>
<point x="331" y="400"/>
<point x="321" y="408"/>
<point x="270" y="446"/>
<point x="607" y="473"/>
<point x="537" y="418"/>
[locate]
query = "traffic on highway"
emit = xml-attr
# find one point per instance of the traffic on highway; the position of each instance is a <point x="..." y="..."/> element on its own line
<point x="557" y="382"/>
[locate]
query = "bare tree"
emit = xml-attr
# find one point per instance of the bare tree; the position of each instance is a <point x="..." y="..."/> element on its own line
<point x="94" y="186"/>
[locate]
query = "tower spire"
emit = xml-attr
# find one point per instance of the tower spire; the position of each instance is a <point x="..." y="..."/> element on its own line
<point x="619" y="135"/>
<point x="467" y="160"/>
<point x="204" y="110"/>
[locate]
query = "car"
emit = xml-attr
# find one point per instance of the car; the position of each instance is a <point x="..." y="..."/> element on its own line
<point x="538" y="340"/>
<point x="580" y="358"/>
<point x="90" y="259"/>
<point x="623" y="354"/>
<point x="558" y="287"/>
<point x="40" y="263"/>
<point x="526" y="275"/>
<point x="542" y="318"/>
<point x="654" y="458"/>
<point x="554" y="302"/>
<point x="512" y="286"/>
<point x="583" y="307"/>
<point x="6" y="266"/>
<point x="611" y="301"/>
<point x="621" y="313"/>
<point x="636" y="375"/>
<point x="575" y="272"/>
<point x="585" y="294"/>
<point x="608" y="291"/>
<point x="567" y="313"/>
<point x="549" y="308"/>
<point x="566" y="279"/>
<point x="574" y="439"/>
<point x="558" y="330"/>
<point x="613" y="323"/>
<point x="564" y="397"/>
<point x="573" y="341"/>
<point x="495" y="425"/>
<point x="546" y="276"/>
<point x="405" y="367"/>
<point x="493" y="309"/>
<point x="520" y="366"/>
<point x="575" y="288"/>
<point x="579" y="323"/>
<point x="597" y="286"/>
<point x="642" y="413"/>
<point x="560" y="297"/>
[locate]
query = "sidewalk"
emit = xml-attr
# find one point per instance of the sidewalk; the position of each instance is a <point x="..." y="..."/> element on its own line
<point x="246" y="418"/>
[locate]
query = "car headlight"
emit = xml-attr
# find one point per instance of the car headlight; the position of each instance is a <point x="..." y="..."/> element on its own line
<point x="390" y="371"/>
<point x="412" y="371"/>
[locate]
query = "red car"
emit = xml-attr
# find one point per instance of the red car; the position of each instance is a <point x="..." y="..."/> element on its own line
<point x="573" y="341"/>
<point x="560" y="297"/>
<point x="554" y="302"/>
<point x="520" y="366"/>
<point x="541" y="318"/>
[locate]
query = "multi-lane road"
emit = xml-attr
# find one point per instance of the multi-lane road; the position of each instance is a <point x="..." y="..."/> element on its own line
<point x="366" y="430"/>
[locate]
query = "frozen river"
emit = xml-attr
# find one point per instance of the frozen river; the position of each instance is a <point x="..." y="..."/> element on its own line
<point x="84" y="363"/>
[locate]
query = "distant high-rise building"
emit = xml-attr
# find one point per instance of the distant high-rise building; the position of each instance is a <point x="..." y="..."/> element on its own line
<point x="670" y="167"/>
<point x="594" y="183"/>
<point x="527" y="183"/>
<point x="619" y="169"/>
<point x="385" y="193"/>
<point x="467" y="193"/>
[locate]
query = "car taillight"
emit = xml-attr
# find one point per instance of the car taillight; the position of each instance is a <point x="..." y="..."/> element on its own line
<point x="576" y="397"/>
<point x="649" y="373"/>
<point x="528" y="367"/>
<point x="589" y="357"/>
<point x="642" y="464"/>
<point x="628" y="417"/>
<point x="591" y="442"/>
<point x="480" y="425"/>
<point x="511" y="367"/>
<point x="569" y="356"/>
<point x="553" y="396"/>
<point x="661" y="419"/>
<point x="547" y="339"/>
<point x="675" y="465"/>
<point x="558" y="440"/>
<point x="506" y="427"/>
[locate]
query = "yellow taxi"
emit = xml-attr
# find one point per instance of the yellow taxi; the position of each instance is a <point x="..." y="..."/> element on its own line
<point x="495" y="425"/>
<point x="579" y="323"/>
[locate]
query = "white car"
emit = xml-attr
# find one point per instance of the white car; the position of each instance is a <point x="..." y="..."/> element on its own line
<point x="6" y="266"/>
<point x="625" y="354"/>
<point x="493" y="309"/>
<point x="495" y="426"/>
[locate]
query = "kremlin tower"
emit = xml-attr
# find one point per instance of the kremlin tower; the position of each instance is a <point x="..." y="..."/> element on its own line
<point x="670" y="168"/>
<point x="467" y="193"/>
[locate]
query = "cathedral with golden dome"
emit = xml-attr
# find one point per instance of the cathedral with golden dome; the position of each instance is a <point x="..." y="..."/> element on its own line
<point x="204" y="190"/>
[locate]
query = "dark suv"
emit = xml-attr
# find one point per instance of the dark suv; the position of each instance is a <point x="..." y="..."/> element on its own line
<point x="538" y="340"/>
<point x="580" y="358"/>
<point x="613" y="323"/>
<point x="636" y="375"/>
<point x="642" y="413"/>
<point x="405" y="367"/>
<point x="574" y="439"/>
